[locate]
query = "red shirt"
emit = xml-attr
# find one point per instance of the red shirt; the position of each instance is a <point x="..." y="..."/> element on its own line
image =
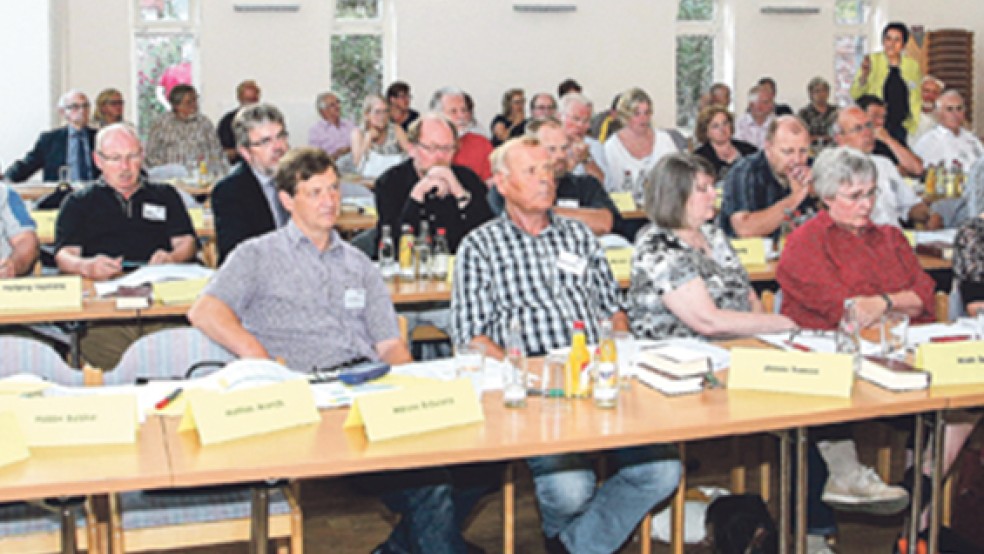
<point x="824" y="264"/>
<point x="473" y="153"/>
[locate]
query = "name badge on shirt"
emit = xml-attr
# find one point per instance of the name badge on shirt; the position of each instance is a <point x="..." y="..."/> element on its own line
<point x="572" y="263"/>
<point x="355" y="299"/>
<point x="568" y="203"/>
<point x="153" y="212"/>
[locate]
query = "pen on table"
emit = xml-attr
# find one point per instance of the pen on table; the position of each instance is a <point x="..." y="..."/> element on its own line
<point x="798" y="346"/>
<point x="950" y="338"/>
<point x="166" y="401"/>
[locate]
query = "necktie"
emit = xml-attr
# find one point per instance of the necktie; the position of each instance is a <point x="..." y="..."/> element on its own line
<point x="80" y="168"/>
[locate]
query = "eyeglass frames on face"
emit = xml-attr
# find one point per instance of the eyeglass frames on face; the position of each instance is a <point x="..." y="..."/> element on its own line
<point x="267" y="141"/>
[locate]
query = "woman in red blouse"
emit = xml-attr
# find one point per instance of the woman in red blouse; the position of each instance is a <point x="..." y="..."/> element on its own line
<point x="841" y="254"/>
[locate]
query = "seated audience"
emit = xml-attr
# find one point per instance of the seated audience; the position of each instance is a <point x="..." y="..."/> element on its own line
<point x="511" y="122"/>
<point x="398" y="101"/>
<point x="767" y="87"/>
<point x="542" y="106"/>
<point x="713" y="132"/>
<point x="687" y="281"/>
<point x="428" y="187"/>
<point x="636" y="148"/>
<point x="494" y="283"/>
<point x="838" y="255"/>
<point x="818" y="115"/>
<point x="473" y="150"/>
<point x="245" y="202"/>
<point x="580" y="197"/>
<point x="895" y="202"/>
<point x="566" y="86"/>
<point x="753" y="125"/>
<point x="473" y="126"/>
<point x="116" y="223"/>
<point x="588" y="155"/>
<point x="931" y="88"/>
<point x="376" y="142"/>
<point x="69" y="146"/>
<point x="950" y="142"/>
<point x="331" y="133"/>
<point x="247" y="93"/>
<point x="886" y="145"/>
<point x="893" y="77"/>
<point x="109" y="108"/>
<point x="718" y="95"/>
<point x="184" y="135"/>
<point x="18" y="237"/>
<point x="304" y="295"/>
<point x="763" y="189"/>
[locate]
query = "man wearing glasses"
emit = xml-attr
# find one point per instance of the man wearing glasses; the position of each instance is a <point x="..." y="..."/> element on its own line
<point x="950" y="142"/>
<point x="762" y="189"/>
<point x="245" y="202"/>
<point x="69" y="146"/>
<point x="118" y="223"/>
<point x="427" y="187"/>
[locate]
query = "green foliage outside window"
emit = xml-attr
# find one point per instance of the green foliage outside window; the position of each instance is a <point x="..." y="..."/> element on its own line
<point x="155" y="55"/>
<point x="695" y="10"/>
<point x="356" y="70"/>
<point x="694" y="72"/>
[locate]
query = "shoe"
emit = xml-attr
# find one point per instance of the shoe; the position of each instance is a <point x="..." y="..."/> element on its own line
<point x="862" y="490"/>
<point x="818" y="544"/>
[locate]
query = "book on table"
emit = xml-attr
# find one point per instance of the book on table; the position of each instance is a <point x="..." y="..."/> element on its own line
<point x="666" y="383"/>
<point x="894" y="375"/>
<point x="675" y="360"/>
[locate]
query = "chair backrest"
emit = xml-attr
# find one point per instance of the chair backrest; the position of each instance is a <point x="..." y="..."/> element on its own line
<point x="166" y="354"/>
<point x="27" y="355"/>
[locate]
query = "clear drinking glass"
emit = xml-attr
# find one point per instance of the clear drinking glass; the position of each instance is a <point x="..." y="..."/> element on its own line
<point x="553" y="375"/>
<point x="628" y="350"/>
<point x="849" y="333"/>
<point x="469" y="363"/>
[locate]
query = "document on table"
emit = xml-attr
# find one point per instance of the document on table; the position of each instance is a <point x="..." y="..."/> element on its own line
<point x="814" y="341"/>
<point x="154" y="274"/>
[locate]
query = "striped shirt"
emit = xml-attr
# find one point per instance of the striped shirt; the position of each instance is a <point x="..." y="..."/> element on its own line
<point x="182" y="141"/>
<point x="548" y="281"/>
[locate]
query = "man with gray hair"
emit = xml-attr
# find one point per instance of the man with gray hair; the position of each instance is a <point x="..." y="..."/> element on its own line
<point x="331" y="133"/>
<point x="949" y="142"/>
<point x="69" y="146"/>
<point x="751" y="127"/>
<point x="245" y="202"/>
<point x="473" y="149"/>
<point x="247" y="93"/>
<point x="931" y="89"/>
<point x="587" y="153"/>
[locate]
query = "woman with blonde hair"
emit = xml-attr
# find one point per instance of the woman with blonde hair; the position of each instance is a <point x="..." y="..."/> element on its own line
<point x="109" y="108"/>
<point x="512" y="121"/>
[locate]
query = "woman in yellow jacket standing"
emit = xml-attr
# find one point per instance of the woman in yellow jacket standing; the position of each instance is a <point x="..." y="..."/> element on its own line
<point x="894" y="78"/>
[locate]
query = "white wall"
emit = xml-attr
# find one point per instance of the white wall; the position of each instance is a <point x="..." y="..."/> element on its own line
<point x="482" y="46"/>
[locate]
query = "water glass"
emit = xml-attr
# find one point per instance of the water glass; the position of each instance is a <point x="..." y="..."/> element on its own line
<point x="469" y="363"/>
<point x="553" y="375"/>
<point x="894" y="334"/>
<point x="849" y="334"/>
<point x="628" y="351"/>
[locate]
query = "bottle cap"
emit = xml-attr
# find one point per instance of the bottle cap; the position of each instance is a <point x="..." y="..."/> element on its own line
<point x="579" y="325"/>
<point x="441" y="231"/>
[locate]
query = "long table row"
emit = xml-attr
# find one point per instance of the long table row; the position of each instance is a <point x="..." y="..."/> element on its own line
<point x="162" y="457"/>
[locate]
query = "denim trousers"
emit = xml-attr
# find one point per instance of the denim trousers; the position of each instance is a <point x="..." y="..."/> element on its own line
<point x="591" y="519"/>
<point x="432" y="503"/>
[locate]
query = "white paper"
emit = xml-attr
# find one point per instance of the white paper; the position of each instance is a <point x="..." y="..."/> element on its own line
<point x="154" y="274"/>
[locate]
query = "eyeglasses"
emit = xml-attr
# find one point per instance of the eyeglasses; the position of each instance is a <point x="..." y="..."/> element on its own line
<point x="267" y="141"/>
<point x="432" y="148"/>
<point x="854" y="197"/>
<point x="114" y="102"/>
<point x="858" y="128"/>
<point x="548" y="107"/>
<point x="958" y="108"/>
<point x="74" y="107"/>
<point x="117" y="159"/>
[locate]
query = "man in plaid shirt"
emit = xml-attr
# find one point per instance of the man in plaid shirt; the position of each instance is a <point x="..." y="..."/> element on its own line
<point x="548" y="271"/>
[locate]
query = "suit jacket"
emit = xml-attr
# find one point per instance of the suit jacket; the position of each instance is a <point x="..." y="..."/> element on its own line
<point x="240" y="209"/>
<point x="49" y="153"/>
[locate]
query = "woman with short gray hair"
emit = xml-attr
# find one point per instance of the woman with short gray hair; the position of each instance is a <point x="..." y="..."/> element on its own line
<point x="687" y="281"/>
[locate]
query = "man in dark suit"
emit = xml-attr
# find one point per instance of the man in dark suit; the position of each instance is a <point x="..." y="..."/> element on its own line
<point x="70" y="146"/>
<point x="245" y="202"/>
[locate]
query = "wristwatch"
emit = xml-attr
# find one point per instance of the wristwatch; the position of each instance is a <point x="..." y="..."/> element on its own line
<point x="888" y="302"/>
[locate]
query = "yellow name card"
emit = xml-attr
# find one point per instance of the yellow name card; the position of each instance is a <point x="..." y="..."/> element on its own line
<point x="221" y="417"/>
<point x="910" y="236"/>
<point x="183" y="291"/>
<point x="450" y="277"/>
<point x="623" y="201"/>
<point x="13" y="447"/>
<point x="620" y="260"/>
<point x="197" y="216"/>
<point x="811" y="373"/>
<point x="78" y="420"/>
<point x="45" y="221"/>
<point x="41" y="293"/>
<point x="414" y="410"/>
<point x="952" y="363"/>
<point x="751" y="251"/>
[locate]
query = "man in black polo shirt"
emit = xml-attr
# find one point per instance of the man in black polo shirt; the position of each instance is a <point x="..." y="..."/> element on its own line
<point x="579" y="197"/>
<point x="120" y="222"/>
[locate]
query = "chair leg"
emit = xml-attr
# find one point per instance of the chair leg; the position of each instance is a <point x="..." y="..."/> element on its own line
<point x="765" y="470"/>
<point x="739" y="476"/>
<point x="509" y="509"/>
<point x="115" y="524"/>
<point x="679" y="500"/>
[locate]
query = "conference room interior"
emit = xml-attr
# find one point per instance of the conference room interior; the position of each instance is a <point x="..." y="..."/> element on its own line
<point x="483" y="47"/>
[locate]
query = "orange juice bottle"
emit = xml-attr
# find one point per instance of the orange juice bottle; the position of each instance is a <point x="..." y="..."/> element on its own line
<point x="577" y="384"/>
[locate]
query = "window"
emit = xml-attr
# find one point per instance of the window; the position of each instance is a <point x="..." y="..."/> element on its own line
<point x="697" y="25"/>
<point x="357" y="52"/>
<point x="166" y="48"/>
<point x="850" y="45"/>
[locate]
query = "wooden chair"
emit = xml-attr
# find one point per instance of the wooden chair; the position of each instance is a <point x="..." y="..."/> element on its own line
<point x="29" y="527"/>
<point x="183" y="518"/>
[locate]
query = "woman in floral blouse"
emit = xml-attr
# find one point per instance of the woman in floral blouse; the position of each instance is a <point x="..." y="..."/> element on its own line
<point x="686" y="279"/>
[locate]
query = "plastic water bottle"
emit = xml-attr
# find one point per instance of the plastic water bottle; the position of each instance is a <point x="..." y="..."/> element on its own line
<point x="439" y="256"/>
<point x="514" y="389"/>
<point x="407" y="270"/>
<point x="422" y="252"/>
<point x="606" y="382"/>
<point x="387" y="255"/>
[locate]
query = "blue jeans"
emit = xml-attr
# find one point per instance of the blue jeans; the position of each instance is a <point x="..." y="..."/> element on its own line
<point x="433" y="504"/>
<point x="589" y="519"/>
